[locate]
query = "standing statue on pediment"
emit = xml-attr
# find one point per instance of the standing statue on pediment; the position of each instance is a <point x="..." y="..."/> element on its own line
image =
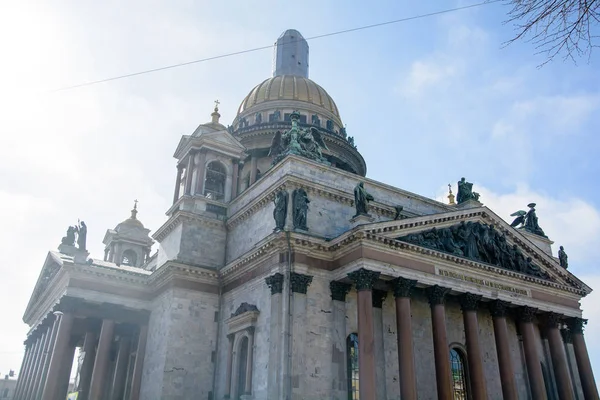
<point x="465" y="192"/>
<point x="527" y="220"/>
<point x="81" y="236"/>
<point x="300" y="209"/>
<point x="280" y="211"/>
<point x="361" y="199"/>
<point x="563" y="258"/>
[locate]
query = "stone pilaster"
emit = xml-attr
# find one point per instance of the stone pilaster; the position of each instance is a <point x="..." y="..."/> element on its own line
<point x="378" y="297"/>
<point x="408" y="383"/>
<point x="339" y="290"/>
<point x="532" y="358"/>
<point x="505" y="365"/>
<point x="470" y="303"/>
<point x="275" y="284"/>
<point x="299" y="286"/>
<point x="364" y="280"/>
<point x="436" y="295"/>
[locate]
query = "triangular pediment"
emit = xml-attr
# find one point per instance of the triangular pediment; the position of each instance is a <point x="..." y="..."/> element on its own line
<point x="219" y="141"/>
<point x="479" y="235"/>
<point x="52" y="264"/>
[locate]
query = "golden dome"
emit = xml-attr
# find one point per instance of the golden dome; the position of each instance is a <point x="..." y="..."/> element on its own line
<point x="289" y="87"/>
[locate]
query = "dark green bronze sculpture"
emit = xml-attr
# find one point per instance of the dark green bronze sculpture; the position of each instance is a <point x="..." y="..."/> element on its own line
<point x="300" y="208"/>
<point x="361" y="199"/>
<point x="527" y="220"/>
<point x="280" y="211"/>
<point x="563" y="258"/>
<point x="69" y="240"/>
<point x="303" y="142"/>
<point x="478" y="242"/>
<point x="465" y="192"/>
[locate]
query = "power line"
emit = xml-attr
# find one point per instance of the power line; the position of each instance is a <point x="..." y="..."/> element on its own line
<point x="148" y="71"/>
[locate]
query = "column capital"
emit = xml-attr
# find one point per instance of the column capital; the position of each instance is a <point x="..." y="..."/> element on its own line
<point x="552" y="320"/>
<point x="436" y="294"/>
<point x="300" y="282"/>
<point x="402" y="287"/>
<point x="527" y="314"/>
<point x="576" y="325"/>
<point x="364" y="278"/>
<point x="339" y="290"/>
<point x="275" y="283"/>
<point x="566" y="335"/>
<point x="180" y="167"/>
<point x="378" y="296"/>
<point x="498" y="308"/>
<point x="469" y="301"/>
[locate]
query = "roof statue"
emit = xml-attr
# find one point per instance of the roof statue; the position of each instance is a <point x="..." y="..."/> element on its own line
<point x="303" y="142"/>
<point x="81" y="235"/>
<point x="465" y="192"/>
<point x="69" y="240"/>
<point x="527" y="220"/>
<point x="361" y="199"/>
<point x="563" y="258"/>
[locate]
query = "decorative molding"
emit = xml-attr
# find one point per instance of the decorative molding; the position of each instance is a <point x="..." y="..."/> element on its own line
<point x="339" y="290"/>
<point x="527" y="314"/>
<point x="576" y="325"/>
<point x="498" y="308"/>
<point x="245" y="307"/>
<point x="364" y="278"/>
<point x="275" y="283"/>
<point x="436" y="294"/>
<point x="378" y="297"/>
<point x="300" y="282"/>
<point x="553" y="320"/>
<point x="403" y="287"/>
<point x="469" y="301"/>
<point x="185" y="216"/>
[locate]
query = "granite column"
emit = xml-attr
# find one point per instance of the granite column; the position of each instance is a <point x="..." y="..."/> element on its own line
<point x="364" y="280"/>
<point x="120" y="375"/>
<point x="59" y="357"/>
<point x="89" y="351"/>
<point x="532" y="358"/>
<point x="200" y="167"/>
<point x="378" y="298"/>
<point x="177" y="183"/>
<point x="505" y="365"/>
<point x="586" y="375"/>
<point x="136" y="382"/>
<point x="559" y="357"/>
<point x="275" y="284"/>
<point x="469" y="303"/>
<point x="189" y="173"/>
<point x="99" y="381"/>
<point x="436" y="295"/>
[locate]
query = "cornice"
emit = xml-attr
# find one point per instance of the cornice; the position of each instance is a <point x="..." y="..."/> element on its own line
<point x="172" y="269"/>
<point x="184" y="216"/>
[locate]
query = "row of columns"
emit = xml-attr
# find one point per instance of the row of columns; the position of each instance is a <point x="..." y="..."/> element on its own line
<point x="365" y="279"/>
<point x="49" y="353"/>
<point x="200" y="167"/>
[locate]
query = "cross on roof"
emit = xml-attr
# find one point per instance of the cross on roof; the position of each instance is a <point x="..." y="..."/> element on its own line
<point x="217" y="102"/>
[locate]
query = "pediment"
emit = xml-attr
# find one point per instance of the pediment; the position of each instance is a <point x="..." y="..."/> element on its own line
<point x="52" y="264"/>
<point x="479" y="235"/>
<point x="221" y="141"/>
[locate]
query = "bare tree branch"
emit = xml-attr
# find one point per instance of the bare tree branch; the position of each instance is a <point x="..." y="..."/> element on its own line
<point x="556" y="27"/>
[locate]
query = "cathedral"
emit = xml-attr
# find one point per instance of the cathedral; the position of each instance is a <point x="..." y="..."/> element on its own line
<point x="282" y="272"/>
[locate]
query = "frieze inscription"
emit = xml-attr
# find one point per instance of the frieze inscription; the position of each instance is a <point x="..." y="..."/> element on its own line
<point x="482" y="282"/>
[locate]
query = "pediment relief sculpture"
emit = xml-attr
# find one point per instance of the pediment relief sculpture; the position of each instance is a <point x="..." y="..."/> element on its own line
<point x="478" y="242"/>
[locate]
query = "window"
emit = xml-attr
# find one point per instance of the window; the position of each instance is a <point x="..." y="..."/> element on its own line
<point x="352" y="366"/>
<point x="459" y="376"/>
<point x="242" y="364"/>
<point x="129" y="258"/>
<point x="214" y="185"/>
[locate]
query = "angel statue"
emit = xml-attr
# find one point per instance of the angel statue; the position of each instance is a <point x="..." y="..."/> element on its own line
<point x="527" y="220"/>
<point x="304" y="142"/>
<point x="520" y="220"/>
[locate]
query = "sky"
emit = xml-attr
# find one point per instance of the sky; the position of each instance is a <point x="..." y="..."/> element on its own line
<point x="428" y="101"/>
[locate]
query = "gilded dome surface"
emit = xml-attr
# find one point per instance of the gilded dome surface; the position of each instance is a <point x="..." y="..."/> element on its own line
<point x="289" y="87"/>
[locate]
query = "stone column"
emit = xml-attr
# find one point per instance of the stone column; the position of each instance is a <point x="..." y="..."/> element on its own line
<point x="505" y="365"/>
<point x="37" y="350"/>
<point x="532" y="358"/>
<point x="37" y="371"/>
<point x="299" y="285"/>
<point x="65" y="371"/>
<point x="249" y="362"/>
<point x="22" y="371"/>
<point x="89" y="348"/>
<point x="59" y="357"/>
<point x="339" y="376"/>
<point x="252" y="169"/>
<point x="275" y="283"/>
<point x="406" y="363"/>
<point x="200" y="172"/>
<point x="189" y="174"/>
<point x="99" y="381"/>
<point x="364" y="280"/>
<point x="573" y="372"/>
<point x="46" y="361"/>
<point x="586" y="375"/>
<point x="136" y="382"/>
<point x="177" y="183"/>
<point x="25" y="377"/>
<point x="234" y="179"/>
<point x="469" y="303"/>
<point x="378" y="296"/>
<point x="441" y="351"/>
<point x="559" y="358"/>
<point x="120" y="375"/>
<point x="229" y="371"/>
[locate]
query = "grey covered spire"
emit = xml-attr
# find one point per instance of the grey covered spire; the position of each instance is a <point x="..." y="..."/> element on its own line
<point x="291" y="55"/>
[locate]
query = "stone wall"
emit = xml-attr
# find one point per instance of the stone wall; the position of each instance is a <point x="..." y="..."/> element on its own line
<point x="181" y="340"/>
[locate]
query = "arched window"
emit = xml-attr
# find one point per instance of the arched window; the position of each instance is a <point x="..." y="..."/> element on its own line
<point x="460" y="390"/>
<point x="129" y="258"/>
<point x="214" y="185"/>
<point x="352" y="366"/>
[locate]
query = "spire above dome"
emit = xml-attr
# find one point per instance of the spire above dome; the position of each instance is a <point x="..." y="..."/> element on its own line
<point x="291" y="54"/>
